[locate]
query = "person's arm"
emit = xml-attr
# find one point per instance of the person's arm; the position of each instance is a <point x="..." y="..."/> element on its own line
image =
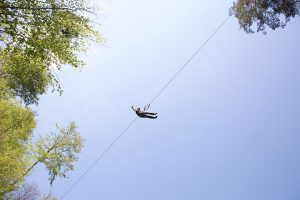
<point x="133" y="109"/>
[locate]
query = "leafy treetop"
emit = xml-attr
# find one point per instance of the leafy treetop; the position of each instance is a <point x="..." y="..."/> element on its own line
<point x="37" y="38"/>
<point x="260" y="14"/>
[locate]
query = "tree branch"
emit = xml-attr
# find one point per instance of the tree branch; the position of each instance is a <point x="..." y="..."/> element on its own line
<point x="45" y="8"/>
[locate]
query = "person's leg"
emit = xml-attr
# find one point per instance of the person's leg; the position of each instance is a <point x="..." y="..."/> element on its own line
<point x="149" y="113"/>
<point x="150" y="117"/>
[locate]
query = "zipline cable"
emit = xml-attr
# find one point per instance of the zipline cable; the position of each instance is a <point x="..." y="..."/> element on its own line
<point x="189" y="60"/>
<point x="95" y="162"/>
<point x="152" y="100"/>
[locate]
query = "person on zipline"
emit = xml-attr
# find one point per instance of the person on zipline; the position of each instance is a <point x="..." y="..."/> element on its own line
<point x="144" y="114"/>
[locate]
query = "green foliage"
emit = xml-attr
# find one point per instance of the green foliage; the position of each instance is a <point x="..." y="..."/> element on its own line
<point x="16" y="127"/>
<point x="18" y="155"/>
<point x="39" y="37"/>
<point x="260" y="14"/>
<point x="58" y="151"/>
<point x="5" y="93"/>
<point x="26" y="76"/>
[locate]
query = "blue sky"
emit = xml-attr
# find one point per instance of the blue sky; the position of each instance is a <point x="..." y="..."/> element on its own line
<point x="228" y="125"/>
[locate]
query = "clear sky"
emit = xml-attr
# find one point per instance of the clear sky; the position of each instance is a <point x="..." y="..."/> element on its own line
<point x="228" y="125"/>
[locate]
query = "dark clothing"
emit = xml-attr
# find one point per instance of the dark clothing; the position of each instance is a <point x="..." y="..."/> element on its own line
<point x="149" y="113"/>
<point x="146" y="115"/>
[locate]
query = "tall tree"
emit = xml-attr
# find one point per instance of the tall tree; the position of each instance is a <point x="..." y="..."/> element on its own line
<point x="257" y="15"/>
<point x="19" y="155"/>
<point x="39" y="37"/>
<point x="16" y="126"/>
<point x="57" y="151"/>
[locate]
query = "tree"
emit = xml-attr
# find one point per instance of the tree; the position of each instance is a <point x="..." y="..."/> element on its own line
<point x="29" y="192"/>
<point x="19" y="155"/>
<point x="39" y="37"/>
<point x="58" y="151"/>
<point x="24" y="192"/>
<point x="260" y="14"/>
<point x="16" y="126"/>
<point x="49" y="196"/>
